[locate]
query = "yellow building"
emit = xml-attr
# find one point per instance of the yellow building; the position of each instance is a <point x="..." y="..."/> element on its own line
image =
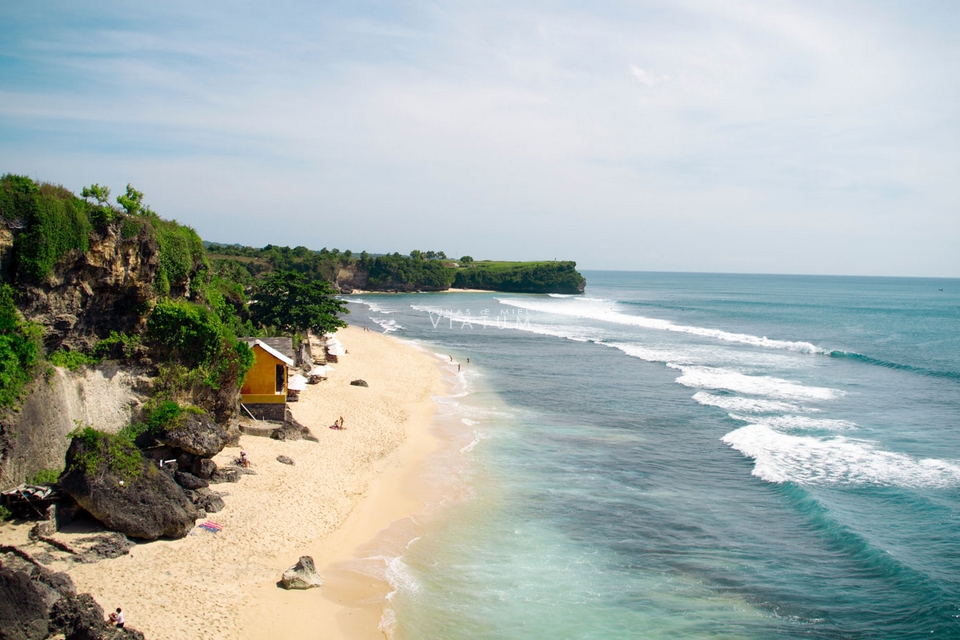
<point x="264" y="391"/>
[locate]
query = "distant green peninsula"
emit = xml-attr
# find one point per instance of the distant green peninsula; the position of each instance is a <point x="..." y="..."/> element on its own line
<point x="418" y="271"/>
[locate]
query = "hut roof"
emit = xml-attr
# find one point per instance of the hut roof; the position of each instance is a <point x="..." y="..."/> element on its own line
<point x="279" y="348"/>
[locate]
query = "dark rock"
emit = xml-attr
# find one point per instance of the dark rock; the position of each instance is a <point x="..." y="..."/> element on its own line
<point x="302" y="575"/>
<point x="359" y="383"/>
<point x="59" y="581"/>
<point x="204" y="468"/>
<point x="285" y="460"/>
<point x="209" y="501"/>
<point x="66" y="511"/>
<point x="198" y="435"/>
<point x="291" y="429"/>
<point x="147" y="506"/>
<point x="227" y="474"/>
<point x="23" y="609"/>
<point x="287" y="431"/>
<point x="190" y="481"/>
<point x="51" y="586"/>
<point x="106" y="546"/>
<point x="78" y="618"/>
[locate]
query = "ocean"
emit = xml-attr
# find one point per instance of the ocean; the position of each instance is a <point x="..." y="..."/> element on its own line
<point x="689" y="456"/>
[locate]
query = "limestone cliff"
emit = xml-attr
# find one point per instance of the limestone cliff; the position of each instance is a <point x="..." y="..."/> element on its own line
<point x="350" y="277"/>
<point x="92" y="293"/>
<point x="35" y="437"/>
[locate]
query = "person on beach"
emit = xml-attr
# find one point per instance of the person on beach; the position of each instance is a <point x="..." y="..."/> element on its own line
<point x="341" y="422"/>
<point x="116" y="618"/>
<point x="244" y="461"/>
<point x="458" y="368"/>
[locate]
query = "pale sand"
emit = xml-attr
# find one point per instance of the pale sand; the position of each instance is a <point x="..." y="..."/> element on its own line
<point x="339" y="495"/>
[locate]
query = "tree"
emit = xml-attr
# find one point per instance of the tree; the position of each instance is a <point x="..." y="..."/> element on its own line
<point x="290" y="301"/>
<point x="132" y="201"/>
<point x="98" y="193"/>
<point x="465" y="260"/>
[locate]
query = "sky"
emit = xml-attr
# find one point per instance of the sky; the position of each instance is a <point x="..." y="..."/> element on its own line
<point x="691" y="135"/>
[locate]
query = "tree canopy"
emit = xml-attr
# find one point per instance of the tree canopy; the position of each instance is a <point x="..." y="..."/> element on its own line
<point x="290" y="301"/>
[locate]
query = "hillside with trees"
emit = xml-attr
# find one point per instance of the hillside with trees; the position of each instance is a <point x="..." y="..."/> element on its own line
<point x="417" y="271"/>
<point x="86" y="284"/>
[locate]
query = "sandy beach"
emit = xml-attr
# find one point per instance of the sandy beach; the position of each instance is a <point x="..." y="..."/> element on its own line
<point x="340" y="494"/>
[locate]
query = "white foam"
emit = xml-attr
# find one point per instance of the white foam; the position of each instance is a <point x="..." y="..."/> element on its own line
<point x="690" y="354"/>
<point x="716" y="378"/>
<point x="780" y="457"/>
<point x="460" y="320"/>
<point x="373" y="306"/>
<point x="388" y="325"/>
<point x="782" y="423"/>
<point x="473" y="443"/>
<point x="608" y="312"/>
<point x="754" y="405"/>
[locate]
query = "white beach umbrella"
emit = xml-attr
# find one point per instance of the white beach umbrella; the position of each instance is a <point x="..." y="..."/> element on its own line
<point x="320" y="370"/>
<point x="297" y="382"/>
<point x="336" y="350"/>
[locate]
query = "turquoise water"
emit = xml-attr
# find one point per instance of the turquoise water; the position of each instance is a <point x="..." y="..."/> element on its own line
<point x="692" y="456"/>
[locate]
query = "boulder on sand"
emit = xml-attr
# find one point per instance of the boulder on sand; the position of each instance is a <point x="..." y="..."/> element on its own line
<point x="302" y="575"/>
<point x="23" y="611"/>
<point x="197" y="434"/>
<point x="139" y="500"/>
<point x="359" y="383"/>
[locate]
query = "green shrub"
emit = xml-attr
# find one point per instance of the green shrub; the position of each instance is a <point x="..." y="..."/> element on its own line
<point x="183" y="260"/>
<point x="116" y="345"/>
<point x="20" y="349"/>
<point x="130" y="227"/>
<point x="104" y="451"/>
<point x="54" y="222"/>
<point x="45" y="476"/>
<point x="186" y="331"/>
<point x="71" y="360"/>
<point x="5" y="514"/>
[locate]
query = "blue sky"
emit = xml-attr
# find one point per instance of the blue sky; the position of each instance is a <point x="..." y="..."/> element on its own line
<point x="691" y="135"/>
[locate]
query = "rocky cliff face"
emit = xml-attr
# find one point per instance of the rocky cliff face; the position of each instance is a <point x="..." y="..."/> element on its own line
<point x="35" y="437"/>
<point x="351" y="277"/>
<point x="91" y="294"/>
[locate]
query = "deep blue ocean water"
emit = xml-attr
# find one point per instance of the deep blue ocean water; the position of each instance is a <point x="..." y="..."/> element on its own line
<point x="692" y="456"/>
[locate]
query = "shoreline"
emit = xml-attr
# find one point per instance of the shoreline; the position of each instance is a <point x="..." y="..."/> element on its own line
<point x="351" y="603"/>
<point x="333" y="503"/>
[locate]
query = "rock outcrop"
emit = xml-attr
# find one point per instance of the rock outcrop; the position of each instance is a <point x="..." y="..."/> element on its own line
<point x="302" y="575"/>
<point x="81" y="618"/>
<point x="148" y="505"/>
<point x="198" y="435"/>
<point x="23" y="611"/>
<point x="91" y="294"/>
<point x="37" y="603"/>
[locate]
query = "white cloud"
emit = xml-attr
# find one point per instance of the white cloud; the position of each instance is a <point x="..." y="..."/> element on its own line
<point x="647" y="77"/>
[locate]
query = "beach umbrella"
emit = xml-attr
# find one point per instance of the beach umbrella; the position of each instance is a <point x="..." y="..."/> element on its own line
<point x="297" y="382"/>
<point x="320" y="370"/>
